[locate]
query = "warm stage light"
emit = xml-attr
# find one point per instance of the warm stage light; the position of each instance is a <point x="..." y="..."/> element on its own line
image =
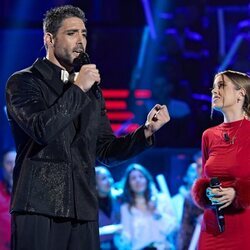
<point x="117" y="108"/>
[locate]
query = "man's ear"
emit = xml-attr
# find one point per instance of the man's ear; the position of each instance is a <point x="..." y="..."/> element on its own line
<point x="48" y="40"/>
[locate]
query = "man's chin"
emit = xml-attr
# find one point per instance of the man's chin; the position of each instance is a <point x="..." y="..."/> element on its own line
<point x="68" y="65"/>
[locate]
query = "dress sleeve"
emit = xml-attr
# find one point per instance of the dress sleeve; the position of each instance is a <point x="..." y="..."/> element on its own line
<point x="242" y="198"/>
<point x="201" y="184"/>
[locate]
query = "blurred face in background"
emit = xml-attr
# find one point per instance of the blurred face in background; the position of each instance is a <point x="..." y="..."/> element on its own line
<point x="199" y="166"/>
<point x="137" y="182"/>
<point x="8" y="165"/>
<point x="104" y="182"/>
<point x="191" y="174"/>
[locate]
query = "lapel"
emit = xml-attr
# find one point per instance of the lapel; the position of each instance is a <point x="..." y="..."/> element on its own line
<point x="50" y="78"/>
<point x="53" y="81"/>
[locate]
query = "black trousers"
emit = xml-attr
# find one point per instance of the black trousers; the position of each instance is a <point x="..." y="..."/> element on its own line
<point x="39" y="232"/>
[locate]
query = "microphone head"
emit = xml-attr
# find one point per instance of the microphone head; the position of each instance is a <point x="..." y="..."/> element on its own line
<point x="214" y="182"/>
<point x="82" y="59"/>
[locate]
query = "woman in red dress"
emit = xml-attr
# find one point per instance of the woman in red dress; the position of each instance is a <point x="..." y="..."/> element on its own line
<point x="226" y="155"/>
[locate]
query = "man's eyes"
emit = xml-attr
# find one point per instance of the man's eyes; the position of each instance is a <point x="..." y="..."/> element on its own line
<point x="73" y="33"/>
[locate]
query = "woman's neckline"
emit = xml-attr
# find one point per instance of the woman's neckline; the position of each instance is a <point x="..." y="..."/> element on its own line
<point x="232" y="124"/>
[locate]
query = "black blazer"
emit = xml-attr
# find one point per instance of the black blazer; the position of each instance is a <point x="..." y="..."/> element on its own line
<point x="59" y="131"/>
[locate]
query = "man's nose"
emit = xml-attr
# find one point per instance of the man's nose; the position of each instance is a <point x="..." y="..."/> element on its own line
<point x="81" y="39"/>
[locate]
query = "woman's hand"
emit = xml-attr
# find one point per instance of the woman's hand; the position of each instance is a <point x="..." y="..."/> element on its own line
<point x="221" y="196"/>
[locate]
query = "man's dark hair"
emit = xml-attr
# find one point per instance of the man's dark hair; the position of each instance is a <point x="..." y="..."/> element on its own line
<point x="55" y="16"/>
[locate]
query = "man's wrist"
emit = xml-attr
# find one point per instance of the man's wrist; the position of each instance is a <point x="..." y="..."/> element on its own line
<point x="147" y="130"/>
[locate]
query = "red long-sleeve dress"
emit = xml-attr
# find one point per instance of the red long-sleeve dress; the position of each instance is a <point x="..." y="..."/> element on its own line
<point x="231" y="164"/>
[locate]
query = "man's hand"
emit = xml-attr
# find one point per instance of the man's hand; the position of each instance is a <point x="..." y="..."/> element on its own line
<point x="87" y="76"/>
<point x="157" y="117"/>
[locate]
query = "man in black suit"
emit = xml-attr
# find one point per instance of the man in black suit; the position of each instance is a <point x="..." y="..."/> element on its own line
<point x="60" y="128"/>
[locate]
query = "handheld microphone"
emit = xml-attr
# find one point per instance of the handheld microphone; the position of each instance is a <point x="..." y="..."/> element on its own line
<point x="83" y="59"/>
<point x="215" y="183"/>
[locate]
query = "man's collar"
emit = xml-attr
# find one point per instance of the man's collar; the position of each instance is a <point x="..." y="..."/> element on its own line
<point x="51" y="73"/>
<point x="63" y="74"/>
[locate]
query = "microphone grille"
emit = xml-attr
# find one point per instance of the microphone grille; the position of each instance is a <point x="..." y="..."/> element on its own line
<point x="82" y="59"/>
<point x="214" y="182"/>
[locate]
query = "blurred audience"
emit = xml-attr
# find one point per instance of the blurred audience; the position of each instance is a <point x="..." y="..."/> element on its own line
<point x="184" y="190"/>
<point x="109" y="208"/>
<point x="144" y="213"/>
<point x="191" y="213"/>
<point x="8" y="163"/>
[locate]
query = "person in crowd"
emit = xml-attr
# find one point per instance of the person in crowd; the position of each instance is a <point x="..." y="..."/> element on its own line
<point x="225" y="150"/>
<point x="109" y="208"/>
<point x="8" y="163"/>
<point x="60" y="126"/>
<point x="145" y="215"/>
<point x="191" y="212"/>
<point x="191" y="175"/>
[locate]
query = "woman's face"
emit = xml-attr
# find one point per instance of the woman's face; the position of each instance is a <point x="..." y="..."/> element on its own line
<point x="104" y="182"/>
<point x="137" y="182"/>
<point x="225" y="96"/>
